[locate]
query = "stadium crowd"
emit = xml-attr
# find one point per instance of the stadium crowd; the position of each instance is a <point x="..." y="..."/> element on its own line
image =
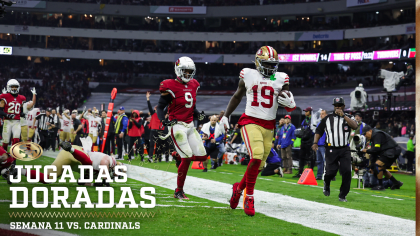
<point x="192" y="2"/>
<point x="244" y="24"/>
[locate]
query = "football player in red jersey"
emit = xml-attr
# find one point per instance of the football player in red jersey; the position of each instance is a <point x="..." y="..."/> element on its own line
<point x="180" y="96"/>
<point x="13" y="104"/>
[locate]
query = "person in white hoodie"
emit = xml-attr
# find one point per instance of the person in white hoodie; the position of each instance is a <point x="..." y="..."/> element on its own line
<point x="358" y="98"/>
<point x="213" y="134"/>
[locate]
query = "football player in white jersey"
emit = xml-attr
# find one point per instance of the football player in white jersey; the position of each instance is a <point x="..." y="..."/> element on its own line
<point x="74" y="156"/>
<point x="66" y="122"/>
<point x="262" y="87"/>
<point x="30" y="121"/>
<point x="94" y="123"/>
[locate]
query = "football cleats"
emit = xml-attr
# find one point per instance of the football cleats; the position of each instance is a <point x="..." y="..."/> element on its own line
<point x="13" y="86"/>
<point x="266" y="61"/>
<point x="185" y="69"/>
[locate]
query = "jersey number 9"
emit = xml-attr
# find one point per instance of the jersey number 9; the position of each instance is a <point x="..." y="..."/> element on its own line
<point x="189" y="99"/>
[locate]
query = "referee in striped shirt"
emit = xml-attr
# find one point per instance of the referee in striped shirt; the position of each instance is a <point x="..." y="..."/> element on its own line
<point x="45" y="123"/>
<point x="337" y="127"/>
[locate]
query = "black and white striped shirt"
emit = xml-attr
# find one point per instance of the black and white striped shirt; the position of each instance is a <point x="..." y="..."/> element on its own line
<point x="42" y="121"/>
<point x="337" y="130"/>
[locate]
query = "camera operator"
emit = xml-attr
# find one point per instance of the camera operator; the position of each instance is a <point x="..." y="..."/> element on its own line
<point x="273" y="164"/>
<point x="213" y="134"/>
<point x="407" y="78"/>
<point x="383" y="153"/>
<point x="306" y="153"/>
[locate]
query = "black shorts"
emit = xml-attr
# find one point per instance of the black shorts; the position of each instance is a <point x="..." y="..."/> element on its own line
<point x="390" y="156"/>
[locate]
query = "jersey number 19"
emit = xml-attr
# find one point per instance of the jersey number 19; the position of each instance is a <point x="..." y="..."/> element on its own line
<point x="268" y="96"/>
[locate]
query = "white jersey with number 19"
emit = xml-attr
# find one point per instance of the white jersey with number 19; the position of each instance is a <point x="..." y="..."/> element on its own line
<point x="261" y="93"/>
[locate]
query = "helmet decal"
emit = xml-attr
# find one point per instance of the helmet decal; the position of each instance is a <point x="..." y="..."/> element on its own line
<point x="259" y="52"/>
<point x="337" y="99"/>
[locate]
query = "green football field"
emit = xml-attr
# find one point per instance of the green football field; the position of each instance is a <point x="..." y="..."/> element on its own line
<point x="201" y="216"/>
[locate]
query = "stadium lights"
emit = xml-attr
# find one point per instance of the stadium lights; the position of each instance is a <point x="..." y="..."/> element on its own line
<point x="90" y="15"/>
<point x="390" y="62"/>
<point x="85" y="15"/>
<point x="168" y="18"/>
<point x="401" y="10"/>
<point x="206" y="63"/>
<point x="377" y="12"/>
<point x="8" y="34"/>
<point x="234" y="41"/>
<point x="67" y="59"/>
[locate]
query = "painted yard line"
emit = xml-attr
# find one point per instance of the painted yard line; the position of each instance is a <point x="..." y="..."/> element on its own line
<point x="350" y="191"/>
<point x="334" y="219"/>
<point x="48" y="232"/>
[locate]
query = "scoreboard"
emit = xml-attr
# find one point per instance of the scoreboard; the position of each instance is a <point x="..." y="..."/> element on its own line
<point x="349" y="56"/>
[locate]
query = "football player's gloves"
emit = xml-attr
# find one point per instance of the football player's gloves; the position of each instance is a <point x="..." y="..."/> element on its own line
<point x="286" y="101"/>
<point x="4" y="90"/>
<point x="34" y="92"/>
<point x="168" y="122"/>
<point x="225" y="121"/>
<point x="201" y="116"/>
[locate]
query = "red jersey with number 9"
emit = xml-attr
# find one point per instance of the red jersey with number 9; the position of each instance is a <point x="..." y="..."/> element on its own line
<point x="183" y="98"/>
<point x="13" y="105"/>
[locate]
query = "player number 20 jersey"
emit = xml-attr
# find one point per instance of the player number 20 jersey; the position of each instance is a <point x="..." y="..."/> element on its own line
<point x="261" y="93"/>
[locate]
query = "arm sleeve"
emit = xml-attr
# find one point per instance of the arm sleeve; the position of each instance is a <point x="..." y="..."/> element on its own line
<point x="376" y="144"/>
<point x="292" y="130"/>
<point x="196" y="112"/>
<point x="220" y="138"/>
<point x="124" y="123"/>
<point x="138" y="124"/>
<point x="321" y="127"/>
<point x="38" y="117"/>
<point x="163" y="102"/>
<point x="2" y="113"/>
<point x="149" y="105"/>
<point x="130" y="125"/>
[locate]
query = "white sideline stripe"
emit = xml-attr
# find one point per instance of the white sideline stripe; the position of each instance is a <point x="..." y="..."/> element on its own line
<point x="46" y="232"/>
<point x="329" y="218"/>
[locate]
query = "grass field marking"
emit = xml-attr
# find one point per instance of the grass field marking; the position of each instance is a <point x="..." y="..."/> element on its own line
<point x="330" y="218"/>
<point x="48" y="232"/>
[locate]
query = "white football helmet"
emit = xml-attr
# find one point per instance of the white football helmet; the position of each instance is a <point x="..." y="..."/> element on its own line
<point x="11" y="83"/>
<point x="183" y="65"/>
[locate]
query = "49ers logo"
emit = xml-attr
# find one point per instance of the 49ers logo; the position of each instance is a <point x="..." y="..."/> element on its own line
<point x="259" y="52"/>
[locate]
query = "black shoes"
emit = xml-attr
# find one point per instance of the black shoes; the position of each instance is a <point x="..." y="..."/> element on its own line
<point x="379" y="188"/>
<point x="297" y="176"/>
<point x="342" y="199"/>
<point x="318" y="178"/>
<point x="66" y="146"/>
<point x="205" y="170"/>
<point x="180" y="195"/>
<point x="326" y="190"/>
<point x="397" y="185"/>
